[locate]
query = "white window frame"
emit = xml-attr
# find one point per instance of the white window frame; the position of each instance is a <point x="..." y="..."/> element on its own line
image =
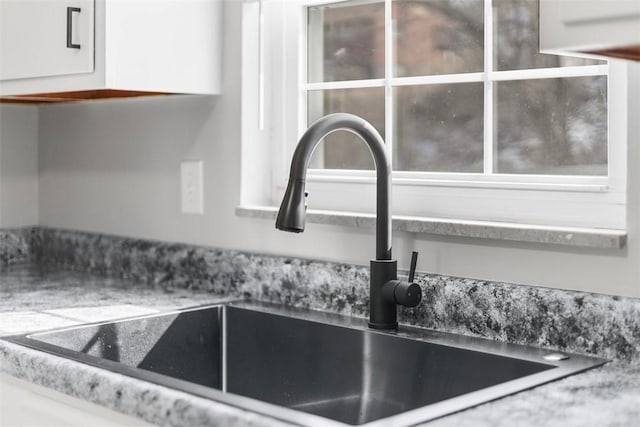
<point x="582" y="201"/>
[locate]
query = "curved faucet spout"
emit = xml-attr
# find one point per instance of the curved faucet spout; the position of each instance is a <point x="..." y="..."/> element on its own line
<point x="292" y="210"/>
<point x="385" y="290"/>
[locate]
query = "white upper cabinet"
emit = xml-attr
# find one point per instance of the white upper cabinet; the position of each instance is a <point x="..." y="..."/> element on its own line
<point x="52" y="46"/>
<point x="603" y="27"/>
<point x="58" y="38"/>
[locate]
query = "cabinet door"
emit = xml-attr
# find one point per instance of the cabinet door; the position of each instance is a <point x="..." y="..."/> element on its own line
<point x="46" y="38"/>
<point x="588" y="25"/>
<point x="23" y="404"/>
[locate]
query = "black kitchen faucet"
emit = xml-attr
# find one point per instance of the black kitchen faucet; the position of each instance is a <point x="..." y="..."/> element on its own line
<point x="386" y="291"/>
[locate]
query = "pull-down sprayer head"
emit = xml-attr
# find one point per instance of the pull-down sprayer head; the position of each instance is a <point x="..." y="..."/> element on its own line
<point x="293" y="208"/>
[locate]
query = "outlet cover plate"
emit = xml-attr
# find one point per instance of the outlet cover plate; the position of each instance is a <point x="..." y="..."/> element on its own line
<point x="192" y="195"/>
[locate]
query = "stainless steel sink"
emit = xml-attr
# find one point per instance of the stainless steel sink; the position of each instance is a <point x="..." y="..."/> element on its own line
<point x="309" y="367"/>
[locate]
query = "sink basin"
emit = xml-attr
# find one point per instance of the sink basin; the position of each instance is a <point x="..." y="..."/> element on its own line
<point x="308" y="367"/>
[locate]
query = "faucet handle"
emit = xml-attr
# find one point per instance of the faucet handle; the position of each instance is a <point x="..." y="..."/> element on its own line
<point x="402" y="293"/>
<point x="407" y="294"/>
<point x="412" y="268"/>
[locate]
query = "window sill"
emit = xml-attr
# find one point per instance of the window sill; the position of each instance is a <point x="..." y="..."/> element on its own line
<point x="514" y="232"/>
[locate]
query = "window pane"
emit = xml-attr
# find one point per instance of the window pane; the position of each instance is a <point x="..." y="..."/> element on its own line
<point x="439" y="128"/>
<point x="346" y="42"/>
<point x="438" y="36"/>
<point x="344" y="150"/>
<point x="516" y="39"/>
<point x="552" y="126"/>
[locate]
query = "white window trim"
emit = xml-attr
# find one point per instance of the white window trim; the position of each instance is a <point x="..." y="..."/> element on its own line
<point x="593" y="202"/>
<point x="514" y="232"/>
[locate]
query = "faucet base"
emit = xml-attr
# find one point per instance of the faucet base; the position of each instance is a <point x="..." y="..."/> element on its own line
<point x="385" y="326"/>
<point x="382" y="312"/>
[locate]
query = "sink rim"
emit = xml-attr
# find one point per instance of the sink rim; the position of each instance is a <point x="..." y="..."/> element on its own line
<point x="563" y="368"/>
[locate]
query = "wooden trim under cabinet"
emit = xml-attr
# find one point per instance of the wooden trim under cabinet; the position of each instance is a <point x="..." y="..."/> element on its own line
<point x="627" y="52"/>
<point x="77" y="96"/>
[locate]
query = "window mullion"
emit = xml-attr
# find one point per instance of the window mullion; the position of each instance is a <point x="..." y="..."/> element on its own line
<point x="550" y="73"/>
<point x="347" y="84"/>
<point x="488" y="137"/>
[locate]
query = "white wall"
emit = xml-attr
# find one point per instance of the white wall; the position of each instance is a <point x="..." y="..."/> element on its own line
<point x="18" y="166"/>
<point x="114" y="167"/>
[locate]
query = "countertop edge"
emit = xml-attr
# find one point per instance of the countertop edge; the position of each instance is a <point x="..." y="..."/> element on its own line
<point x="147" y="401"/>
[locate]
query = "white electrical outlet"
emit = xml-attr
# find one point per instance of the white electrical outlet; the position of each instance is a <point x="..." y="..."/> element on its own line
<point x="191" y="187"/>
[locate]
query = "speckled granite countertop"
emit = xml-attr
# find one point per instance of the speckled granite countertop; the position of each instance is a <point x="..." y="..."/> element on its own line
<point x="32" y="298"/>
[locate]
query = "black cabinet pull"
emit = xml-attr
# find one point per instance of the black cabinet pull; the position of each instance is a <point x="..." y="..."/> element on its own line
<point x="70" y="11"/>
